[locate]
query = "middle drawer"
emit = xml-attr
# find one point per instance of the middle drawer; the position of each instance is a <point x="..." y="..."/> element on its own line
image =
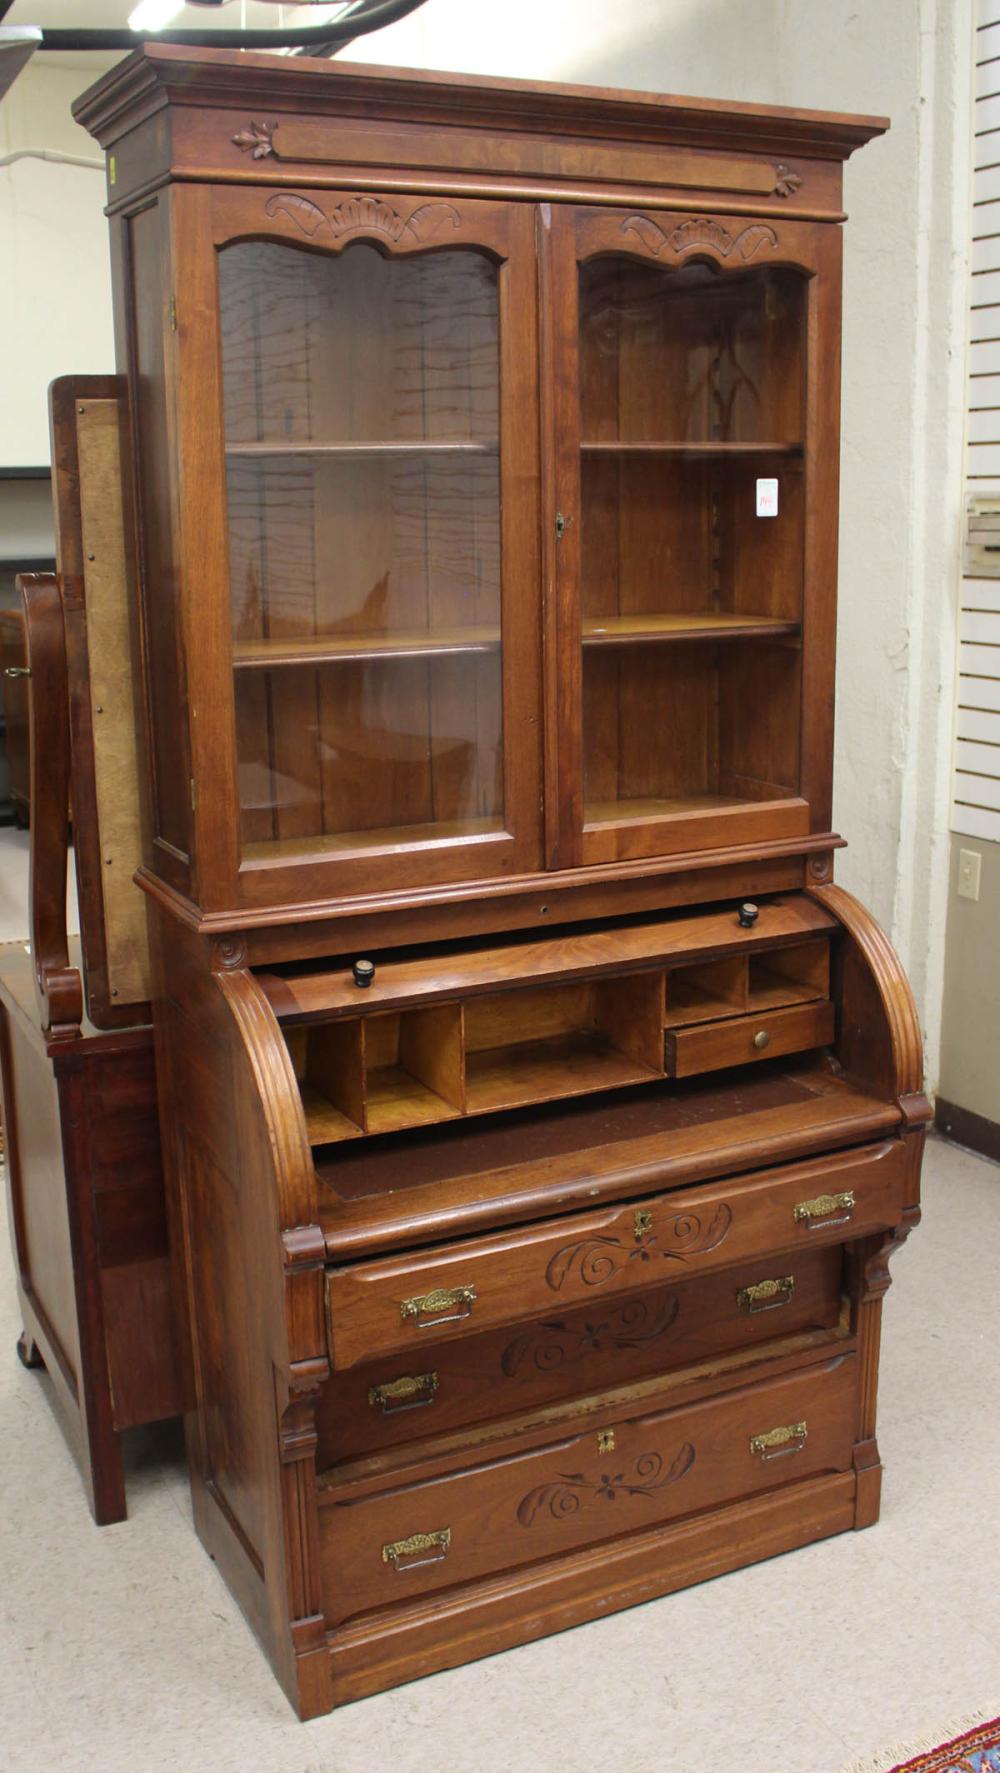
<point x="400" y="1399"/>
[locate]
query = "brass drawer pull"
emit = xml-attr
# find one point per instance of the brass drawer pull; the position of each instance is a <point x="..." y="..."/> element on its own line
<point x="761" y="1039"/>
<point x="818" y="1213"/>
<point x="434" y="1544"/>
<point x="443" y="1306"/>
<point x="411" y="1392"/>
<point x="777" y="1442"/>
<point x="766" y="1295"/>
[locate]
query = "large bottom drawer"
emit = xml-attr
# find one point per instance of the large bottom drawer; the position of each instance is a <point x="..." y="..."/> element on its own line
<point x="429" y="1533"/>
<point x="572" y="1353"/>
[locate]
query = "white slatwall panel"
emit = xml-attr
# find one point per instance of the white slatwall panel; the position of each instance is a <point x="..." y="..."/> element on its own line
<point x="985" y="256"/>
<point x="976" y="789"/>
<point x="984" y="359"/>
<point x="983" y="422"/>
<point x="986" y="289"/>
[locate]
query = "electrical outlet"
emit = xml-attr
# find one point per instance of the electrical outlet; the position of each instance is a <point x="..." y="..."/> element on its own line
<point x="970" y="864"/>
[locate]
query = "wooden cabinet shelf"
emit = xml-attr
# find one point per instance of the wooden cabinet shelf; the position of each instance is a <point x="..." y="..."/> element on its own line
<point x="460" y="446"/>
<point x="710" y="448"/>
<point x="706" y="992"/>
<point x="684" y="625"/>
<point x="688" y="625"/>
<point x="795" y="975"/>
<point x="279" y="652"/>
<point x="394" y="1098"/>
<point x="571" y="1064"/>
<point x="608" y="812"/>
<point x="324" y="1123"/>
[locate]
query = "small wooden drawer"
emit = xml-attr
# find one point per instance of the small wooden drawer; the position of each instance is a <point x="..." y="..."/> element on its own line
<point x="575" y="1353"/>
<point x="411" y="1302"/>
<point x="427" y="1531"/>
<point x="710" y="1046"/>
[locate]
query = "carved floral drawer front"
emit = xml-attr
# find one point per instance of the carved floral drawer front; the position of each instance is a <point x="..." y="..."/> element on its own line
<point x="408" y="1303"/>
<point x="568" y="1354"/>
<point x="430" y="1533"/>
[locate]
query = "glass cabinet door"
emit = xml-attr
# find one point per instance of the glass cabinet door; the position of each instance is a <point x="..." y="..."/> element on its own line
<point x="365" y="437"/>
<point x="682" y="572"/>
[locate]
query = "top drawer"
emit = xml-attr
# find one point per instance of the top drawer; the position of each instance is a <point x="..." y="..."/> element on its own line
<point x="404" y="1303"/>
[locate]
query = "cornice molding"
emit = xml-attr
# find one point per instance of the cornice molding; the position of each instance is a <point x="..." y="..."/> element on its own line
<point x="158" y="74"/>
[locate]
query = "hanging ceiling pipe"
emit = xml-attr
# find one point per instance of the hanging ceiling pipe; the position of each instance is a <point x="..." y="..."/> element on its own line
<point x="317" y="37"/>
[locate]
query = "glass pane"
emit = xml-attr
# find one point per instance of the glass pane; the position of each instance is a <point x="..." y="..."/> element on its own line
<point x="691" y="408"/>
<point x="362" y="420"/>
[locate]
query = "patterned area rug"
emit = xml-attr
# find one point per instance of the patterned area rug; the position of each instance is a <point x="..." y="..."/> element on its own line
<point x="977" y="1750"/>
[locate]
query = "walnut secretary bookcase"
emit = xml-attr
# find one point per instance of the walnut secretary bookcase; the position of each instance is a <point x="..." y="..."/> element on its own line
<point x="538" y="1117"/>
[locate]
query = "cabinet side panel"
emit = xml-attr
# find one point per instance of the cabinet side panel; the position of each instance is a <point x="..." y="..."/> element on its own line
<point x="31" y="1102"/>
<point x="160" y="572"/>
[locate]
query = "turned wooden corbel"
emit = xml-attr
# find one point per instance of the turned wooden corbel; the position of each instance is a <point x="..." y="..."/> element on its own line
<point x="875" y="1279"/>
<point x="300" y="1388"/>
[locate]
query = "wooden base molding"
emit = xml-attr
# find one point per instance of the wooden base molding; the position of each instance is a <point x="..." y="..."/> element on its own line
<point x="965" y="1127"/>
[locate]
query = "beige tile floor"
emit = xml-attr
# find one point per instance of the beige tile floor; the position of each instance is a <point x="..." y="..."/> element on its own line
<point x="121" y="1651"/>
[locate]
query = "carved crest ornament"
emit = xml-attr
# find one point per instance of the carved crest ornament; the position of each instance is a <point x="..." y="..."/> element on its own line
<point x="364" y="215"/>
<point x="701" y="235"/>
<point x="256" y="140"/>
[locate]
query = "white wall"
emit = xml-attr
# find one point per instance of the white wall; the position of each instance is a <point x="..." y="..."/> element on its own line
<point x="55" y="291"/>
<point x="903" y="342"/>
<point x="905" y="292"/>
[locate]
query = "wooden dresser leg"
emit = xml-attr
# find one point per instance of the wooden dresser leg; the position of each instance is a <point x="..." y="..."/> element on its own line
<point x="105" y="1477"/>
<point x="868" y="1469"/>
<point x="28" y="1352"/>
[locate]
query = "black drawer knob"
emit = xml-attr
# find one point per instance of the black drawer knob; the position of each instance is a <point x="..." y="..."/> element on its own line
<point x="748" y="914"/>
<point x="364" y="973"/>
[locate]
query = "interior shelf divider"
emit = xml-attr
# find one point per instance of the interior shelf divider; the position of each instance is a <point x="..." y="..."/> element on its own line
<point x="708" y="447"/>
<point x="268" y="654"/>
<point x="422" y="446"/>
<point x="685" y="625"/>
